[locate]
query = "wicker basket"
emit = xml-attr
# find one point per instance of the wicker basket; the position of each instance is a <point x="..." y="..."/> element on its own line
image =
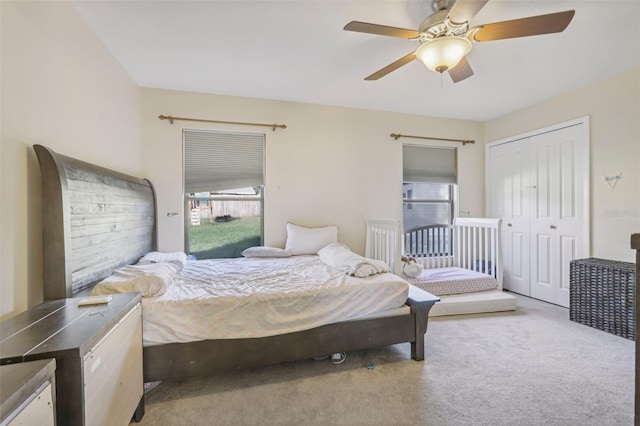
<point x="602" y="295"/>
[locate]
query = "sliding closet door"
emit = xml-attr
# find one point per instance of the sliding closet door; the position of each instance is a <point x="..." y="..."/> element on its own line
<point x="557" y="216"/>
<point x="509" y="200"/>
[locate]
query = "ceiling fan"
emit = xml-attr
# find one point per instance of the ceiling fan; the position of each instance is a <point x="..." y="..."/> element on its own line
<point x="445" y="37"/>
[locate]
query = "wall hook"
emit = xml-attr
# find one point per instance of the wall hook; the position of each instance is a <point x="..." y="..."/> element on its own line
<point x="613" y="180"/>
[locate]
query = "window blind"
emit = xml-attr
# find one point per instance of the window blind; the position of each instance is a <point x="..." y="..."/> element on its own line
<point x="216" y="161"/>
<point x="429" y="164"/>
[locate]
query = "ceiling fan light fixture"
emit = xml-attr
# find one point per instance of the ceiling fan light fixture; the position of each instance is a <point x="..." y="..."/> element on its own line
<point x="443" y="53"/>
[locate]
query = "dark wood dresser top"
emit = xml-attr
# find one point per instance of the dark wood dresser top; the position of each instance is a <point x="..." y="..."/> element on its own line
<point x="60" y="328"/>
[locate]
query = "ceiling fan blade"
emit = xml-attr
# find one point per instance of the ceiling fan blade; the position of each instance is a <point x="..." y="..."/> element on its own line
<point x="364" y="27"/>
<point x="464" y="10"/>
<point x="533" y="25"/>
<point x="461" y="71"/>
<point x="392" y="67"/>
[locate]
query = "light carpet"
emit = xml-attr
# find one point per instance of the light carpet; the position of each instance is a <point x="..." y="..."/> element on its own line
<point x="528" y="367"/>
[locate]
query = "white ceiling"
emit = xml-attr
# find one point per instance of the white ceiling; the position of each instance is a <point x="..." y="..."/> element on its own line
<point x="297" y="51"/>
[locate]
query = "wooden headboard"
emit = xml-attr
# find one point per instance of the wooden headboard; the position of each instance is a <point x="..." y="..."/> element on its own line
<point x="94" y="221"/>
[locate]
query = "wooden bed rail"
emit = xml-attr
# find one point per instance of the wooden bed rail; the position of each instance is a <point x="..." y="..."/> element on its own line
<point x="178" y="361"/>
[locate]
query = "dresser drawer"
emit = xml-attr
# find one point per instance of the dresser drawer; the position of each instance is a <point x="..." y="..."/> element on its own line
<point x="113" y="373"/>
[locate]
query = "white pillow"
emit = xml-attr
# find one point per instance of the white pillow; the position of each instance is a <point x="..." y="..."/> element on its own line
<point x="303" y="240"/>
<point x="149" y="280"/>
<point x="264" y="251"/>
<point x="178" y="257"/>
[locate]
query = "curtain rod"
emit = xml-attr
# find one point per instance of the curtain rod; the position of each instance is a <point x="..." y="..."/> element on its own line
<point x="396" y="136"/>
<point x="172" y="119"/>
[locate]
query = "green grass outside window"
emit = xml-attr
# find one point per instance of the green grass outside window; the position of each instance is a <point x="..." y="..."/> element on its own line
<point x="211" y="240"/>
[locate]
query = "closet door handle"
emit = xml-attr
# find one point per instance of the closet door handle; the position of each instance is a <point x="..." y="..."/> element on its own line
<point x="553" y="227"/>
<point x="508" y="224"/>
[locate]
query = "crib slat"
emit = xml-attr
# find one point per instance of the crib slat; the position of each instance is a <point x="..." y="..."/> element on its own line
<point x="496" y="255"/>
<point x="494" y="252"/>
<point x="439" y="247"/>
<point x="485" y="266"/>
<point x="474" y="232"/>
<point x="458" y="248"/>
<point x="436" y="248"/>
<point x="461" y="247"/>
<point x="470" y="247"/>
<point x="467" y="247"/>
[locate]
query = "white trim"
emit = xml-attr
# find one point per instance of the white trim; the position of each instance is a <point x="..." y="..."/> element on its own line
<point x="551" y="128"/>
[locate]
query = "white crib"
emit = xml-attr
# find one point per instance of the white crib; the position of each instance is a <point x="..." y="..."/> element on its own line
<point x="475" y="245"/>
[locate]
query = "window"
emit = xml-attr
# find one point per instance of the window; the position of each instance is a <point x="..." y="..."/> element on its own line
<point x="428" y="195"/>
<point x="223" y="187"/>
<point x="427" y="204"/>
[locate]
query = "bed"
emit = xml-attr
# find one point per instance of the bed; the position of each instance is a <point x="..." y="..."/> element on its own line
<point x="97" y="221"/>
<point x="468" y="280"/>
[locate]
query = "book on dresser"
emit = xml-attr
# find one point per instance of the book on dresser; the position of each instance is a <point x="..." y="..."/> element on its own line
<point x="98" y="352"/>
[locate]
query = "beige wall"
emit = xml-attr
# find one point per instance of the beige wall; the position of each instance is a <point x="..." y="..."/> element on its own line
<point x="330" y="166"/>
<point x="613" y="106"/>
<point x="60" y="88"/>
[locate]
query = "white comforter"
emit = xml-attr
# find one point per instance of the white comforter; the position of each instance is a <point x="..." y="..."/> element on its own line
<point x="244" y="298"/>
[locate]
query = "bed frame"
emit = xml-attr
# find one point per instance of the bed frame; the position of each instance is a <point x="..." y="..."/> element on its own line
<point x="96" y="220"/>
<point x="475" y="245"/>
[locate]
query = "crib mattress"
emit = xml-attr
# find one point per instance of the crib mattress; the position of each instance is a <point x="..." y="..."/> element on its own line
<point x="453" y="280"/>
